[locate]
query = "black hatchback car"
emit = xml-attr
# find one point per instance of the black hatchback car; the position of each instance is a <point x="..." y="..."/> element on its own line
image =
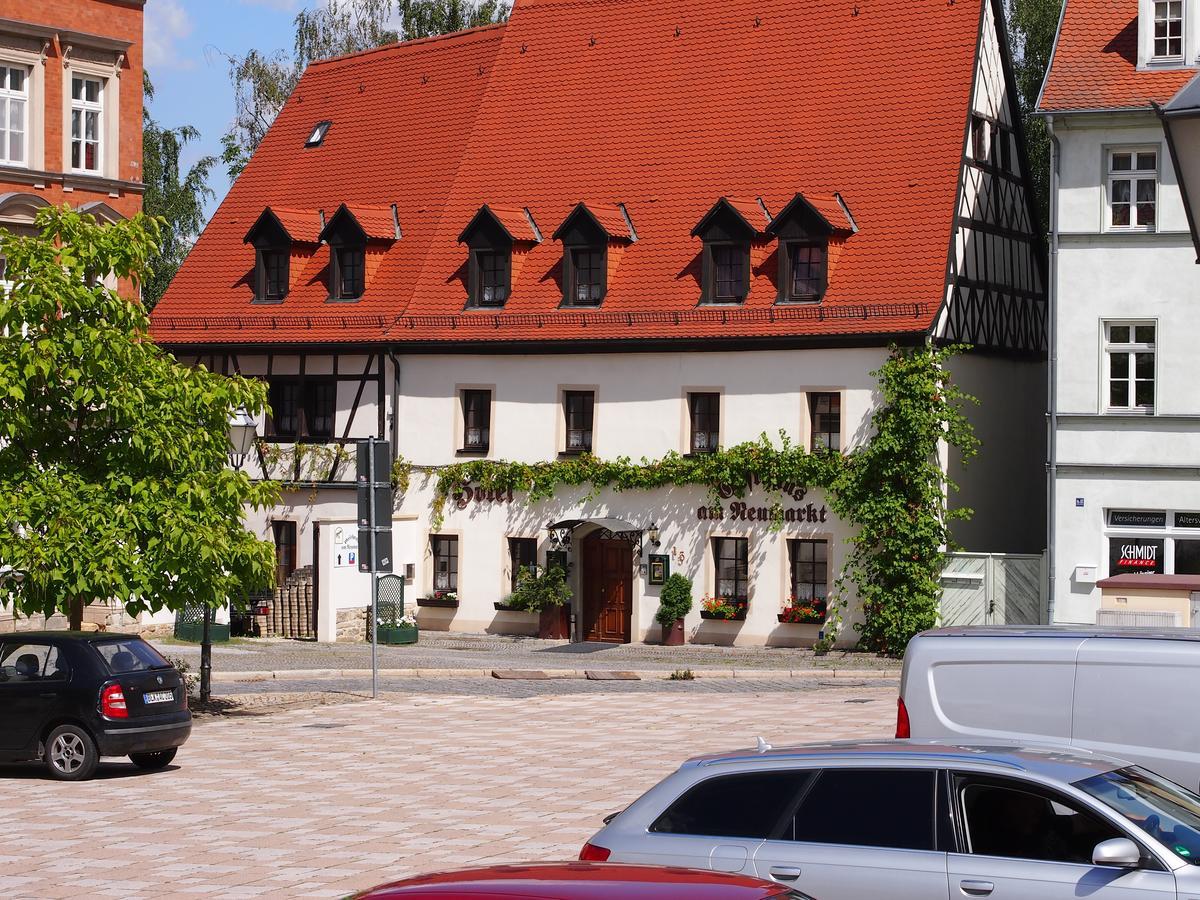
<point x="69" y="698"/>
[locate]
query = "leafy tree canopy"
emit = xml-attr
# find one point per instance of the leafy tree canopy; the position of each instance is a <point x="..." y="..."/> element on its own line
<point x="113" y="476"/>
<point x="263" y="80"/>
<point x="177" y="198"/>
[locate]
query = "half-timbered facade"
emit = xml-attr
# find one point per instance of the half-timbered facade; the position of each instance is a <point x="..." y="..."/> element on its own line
<point x="616" y="229"/>
<point x="1125" y="414"/>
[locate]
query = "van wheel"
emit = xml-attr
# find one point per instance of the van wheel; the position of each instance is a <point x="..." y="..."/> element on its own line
<point x="159" y="759"/>
<point x="71" y="754"/>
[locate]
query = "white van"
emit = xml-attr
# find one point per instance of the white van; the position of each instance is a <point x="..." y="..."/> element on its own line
<point x="1121" y="691"/>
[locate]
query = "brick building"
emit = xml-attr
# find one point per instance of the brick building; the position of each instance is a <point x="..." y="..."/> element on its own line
<point x="70" y="107"/>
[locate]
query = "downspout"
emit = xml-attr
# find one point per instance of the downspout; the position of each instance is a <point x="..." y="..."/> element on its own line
<point x="395" y="404"/>
<point x="1052" y="373"/>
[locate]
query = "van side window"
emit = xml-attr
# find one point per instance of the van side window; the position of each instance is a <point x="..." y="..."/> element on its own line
<point x="735" y="806"/>
<point x="1022" y="822"/>
<point x="868" y="808"/>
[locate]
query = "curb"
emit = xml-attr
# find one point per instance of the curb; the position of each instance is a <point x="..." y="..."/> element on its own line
<point x="644" y="674"/>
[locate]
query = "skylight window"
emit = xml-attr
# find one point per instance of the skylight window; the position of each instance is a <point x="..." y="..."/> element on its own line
<point x="318" y="134"/>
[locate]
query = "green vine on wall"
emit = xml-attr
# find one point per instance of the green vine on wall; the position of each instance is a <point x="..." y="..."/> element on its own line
<point x="890" y="488"/>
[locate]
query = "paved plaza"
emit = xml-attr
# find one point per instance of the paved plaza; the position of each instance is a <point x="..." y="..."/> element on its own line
<point x="322" y="801"/>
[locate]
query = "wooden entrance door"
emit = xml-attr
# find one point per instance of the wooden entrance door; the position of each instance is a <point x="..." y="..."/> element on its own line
<point x="285" y="550"/>
<point x="607" y="590"/>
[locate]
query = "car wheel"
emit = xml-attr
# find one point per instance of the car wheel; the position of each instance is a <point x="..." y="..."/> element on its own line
<point x="157" y="760"/>
<point x="71" y="754"/>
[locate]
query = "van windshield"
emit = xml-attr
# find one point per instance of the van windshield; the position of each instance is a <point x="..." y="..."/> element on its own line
<point x="1164" y="810"/>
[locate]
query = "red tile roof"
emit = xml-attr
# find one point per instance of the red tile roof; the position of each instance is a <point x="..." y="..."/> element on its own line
<point x="302" y="224"/>
<point x="1095" y="61"/>
<point x="661" y="106"/>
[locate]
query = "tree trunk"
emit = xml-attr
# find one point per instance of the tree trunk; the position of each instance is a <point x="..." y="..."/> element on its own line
<point x="75" y="614"/>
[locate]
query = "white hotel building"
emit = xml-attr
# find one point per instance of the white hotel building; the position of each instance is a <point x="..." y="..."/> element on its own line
<point x="1126" y="413"/>
<point x="625" y="228"/>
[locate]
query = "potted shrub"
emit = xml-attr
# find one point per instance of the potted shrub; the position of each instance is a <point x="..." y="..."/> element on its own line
<point x="803" y="612"/>
<point x="674" y="602"/>
<point x="723" y="608"/>
<point x="545" y="592"/>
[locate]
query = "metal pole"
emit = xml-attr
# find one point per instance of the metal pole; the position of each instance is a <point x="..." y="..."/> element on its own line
<point x="206" y="658"/>
<point x="374" y="576"/>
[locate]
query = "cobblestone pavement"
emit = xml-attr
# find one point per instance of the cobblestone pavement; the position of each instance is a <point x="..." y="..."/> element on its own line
<point x="318" y="802"/>
<point x="438" y="650"/>
<point x="494" y="687"/>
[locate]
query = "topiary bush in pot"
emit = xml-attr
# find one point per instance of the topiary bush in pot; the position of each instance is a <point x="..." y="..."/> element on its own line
<point x="674" y="602"/>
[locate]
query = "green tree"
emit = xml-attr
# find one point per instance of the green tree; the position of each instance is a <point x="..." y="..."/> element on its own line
<point x="262" y="81"/>
<point x="177" y="198"/>
<point x="113" y="476"/>
<point x="1032" y="25"/>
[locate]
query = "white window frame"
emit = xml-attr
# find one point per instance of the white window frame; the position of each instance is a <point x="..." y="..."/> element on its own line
<point x="1130" y="349"/>
<point x="8" y="97"/>
<point x="1134" y="176"/>
<point x="1182" y="23"/>
<point x="83" y="106"/>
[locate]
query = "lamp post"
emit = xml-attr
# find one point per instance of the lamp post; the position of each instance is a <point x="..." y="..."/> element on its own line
<point x="1181" y="124"/>
<point x="242" y="432"/>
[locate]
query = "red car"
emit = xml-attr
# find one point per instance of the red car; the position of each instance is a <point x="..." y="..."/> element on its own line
<point x="582" y="881"/>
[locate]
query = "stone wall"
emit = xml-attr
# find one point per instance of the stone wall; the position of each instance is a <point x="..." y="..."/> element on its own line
<point x="352" y="624"/>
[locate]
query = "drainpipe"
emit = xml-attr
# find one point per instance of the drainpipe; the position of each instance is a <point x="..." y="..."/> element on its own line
<point x="1052" y="372"/>
<point x="395" y="404"/>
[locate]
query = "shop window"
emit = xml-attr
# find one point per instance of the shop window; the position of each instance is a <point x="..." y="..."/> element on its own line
<point x="825" y="420"/>
<point x="301" y="408"/>
<point x="1133" y="188"/>
<point x="476" y="410"/>
<point x="809" y="569"/>
<point x="1187" y="557"/>
<point x="445" y="563"/>
<point x="732" y="558"/>
<point x="579" y="409"/>
<point x="1129" y="349"/>
<point x="522" y="556"/>
<point x="1135" y="556"/>
<point x="704" y="413"/>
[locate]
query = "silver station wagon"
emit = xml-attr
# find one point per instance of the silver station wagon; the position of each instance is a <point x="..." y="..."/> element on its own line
<point x="915" y="821"/>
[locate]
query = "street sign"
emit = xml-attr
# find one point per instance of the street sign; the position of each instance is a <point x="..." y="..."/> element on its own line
<point x="383" y="549"/>
<point x="374" y="506"/>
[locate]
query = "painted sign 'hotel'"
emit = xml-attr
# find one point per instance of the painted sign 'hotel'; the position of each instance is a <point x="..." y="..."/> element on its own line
<point x="625" y="229"/>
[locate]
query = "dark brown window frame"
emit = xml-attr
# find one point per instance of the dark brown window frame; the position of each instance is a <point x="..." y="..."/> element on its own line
<point x="740" y="559"/>
<point x="271" y="286"/>
<point x="585" y="402"/>
<point x="787" y="271"/>
<point x="479" y="272"/>
<point x="338" y="266"/>
<point x="522" y="554"/>
<point x="476" y="417"/>
<point x="598" y="267"/>
<point x="711" y="417"/>
<point x="315" y="398"/>
<point x="796" y="548"/>
<point x="832" y="437"/>
<point x="711" y="273"/>
<point x="445" y="547"/>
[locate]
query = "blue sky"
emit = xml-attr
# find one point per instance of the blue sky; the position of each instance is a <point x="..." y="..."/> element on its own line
<point x="184" y="43"/>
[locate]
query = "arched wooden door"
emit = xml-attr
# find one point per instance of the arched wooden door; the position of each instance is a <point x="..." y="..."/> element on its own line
<point x="607" y="582"/>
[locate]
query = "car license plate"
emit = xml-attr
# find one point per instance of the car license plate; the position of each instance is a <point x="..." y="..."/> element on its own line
<point x="158" y="697"/>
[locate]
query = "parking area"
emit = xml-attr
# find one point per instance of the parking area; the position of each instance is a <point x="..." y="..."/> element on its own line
<point x="322" y="801"/>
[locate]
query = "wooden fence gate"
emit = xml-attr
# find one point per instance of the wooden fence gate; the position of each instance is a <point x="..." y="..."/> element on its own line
<point x="993" y="589"/>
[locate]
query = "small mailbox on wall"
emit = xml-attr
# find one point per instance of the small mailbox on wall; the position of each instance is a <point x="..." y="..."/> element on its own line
<point x="659" y="568"/>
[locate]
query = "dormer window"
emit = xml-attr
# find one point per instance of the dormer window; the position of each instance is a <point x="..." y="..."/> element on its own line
<point x="587" y="276"/>
<point x="728" y="229"/>
<point x="347" y="240"/>
<point x="272" y="242"/>
<point x="804" y="229"/>
<point x="585" y="234"/>
<point x="491" y="238"/>
<point x="1168" y="29"/>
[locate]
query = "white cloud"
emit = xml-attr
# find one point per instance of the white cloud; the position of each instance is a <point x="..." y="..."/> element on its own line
<point x="167" y="22"/>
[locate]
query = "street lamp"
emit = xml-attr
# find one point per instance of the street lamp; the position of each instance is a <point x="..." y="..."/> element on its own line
<point x="242" y="432"/>
<point x="1181" y="124"/>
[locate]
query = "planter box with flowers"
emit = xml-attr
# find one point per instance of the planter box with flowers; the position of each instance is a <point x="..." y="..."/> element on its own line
<point x="440" y="599"/>
<point x="803" y="612"/>
<point x="402" y="631"/>
<point x="723" y="608"/>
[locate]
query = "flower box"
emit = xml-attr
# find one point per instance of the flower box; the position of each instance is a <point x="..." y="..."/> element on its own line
<point x="439" y="602"/>
<point x="508" y="607"/>
<point x="397" y="634"/>
<point x="717" y="617"/>
<point x="785" y="620"/>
